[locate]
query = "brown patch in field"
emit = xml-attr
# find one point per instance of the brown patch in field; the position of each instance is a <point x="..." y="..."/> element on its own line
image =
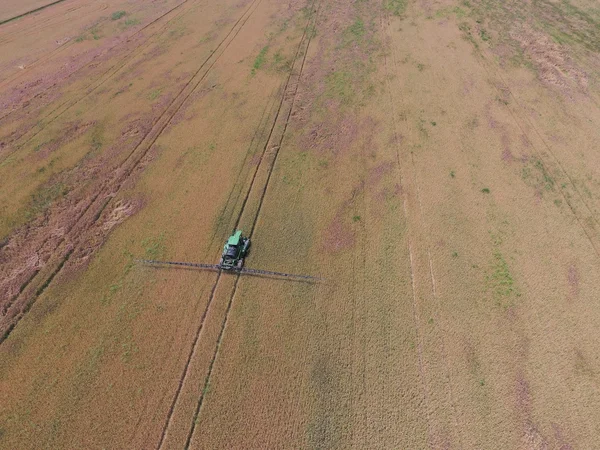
<point x="468" y="85"/>
<point x="573" y="279"/>
<point x="525" y="140"/>
<point x="532" y="438"/>
<point x="31" y="246"/>
<point x="338" y="235"/>
<point x="555" y="66"/>
<point x="377" y="173"/>
<point x="559" y="436"/>
<point x="93" y="238"/>
<point x="538" y="196"/>
<point x="507" y="155"/>
<point x="184" y="114"/>
<point x="332" y="139"/>
<point x="32" y="96"/>
<point x="68" y="134"/>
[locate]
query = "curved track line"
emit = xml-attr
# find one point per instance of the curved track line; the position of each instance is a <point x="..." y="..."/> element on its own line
<point x="45" y="22"/>
<point x="120" y="63"/>
<point x="31" y="12"/>
<point x="107" y="191"/>
<point x="48" y="55"/>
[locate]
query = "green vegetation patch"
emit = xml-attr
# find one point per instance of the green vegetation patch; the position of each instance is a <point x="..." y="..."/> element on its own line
<point x="396" y="7"/>
<point x="500" y="281"/>
<point x="260" y="59"/>
<point x="537" y="176"/>
<point x="154" y="94"/>
<point x="154" y="246"/>
<point x="447" y="11"/>
<point x="339" y="85"/>
<point x="130" y="22"/>
<point x="117" y="15"/>
<point x="354" y="33"/>
<point x="43" y="197"/>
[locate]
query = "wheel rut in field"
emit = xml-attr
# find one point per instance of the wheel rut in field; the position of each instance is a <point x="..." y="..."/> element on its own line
<point x="15" y="307"/>
<point x="30" y="12"/>
<point x="567" y="187"/>
<point x="436" y="381"/>
<point x="97" y="81"/>
<point x="258" y="187"/>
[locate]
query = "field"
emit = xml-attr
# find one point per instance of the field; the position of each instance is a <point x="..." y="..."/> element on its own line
<point x="435" y="163"/>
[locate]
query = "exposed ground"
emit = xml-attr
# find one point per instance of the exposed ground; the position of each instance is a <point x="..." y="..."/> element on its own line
<point x="435" y="162"/>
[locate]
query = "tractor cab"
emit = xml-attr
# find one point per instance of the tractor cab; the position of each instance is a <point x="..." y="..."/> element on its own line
<point x="234" y="251"/>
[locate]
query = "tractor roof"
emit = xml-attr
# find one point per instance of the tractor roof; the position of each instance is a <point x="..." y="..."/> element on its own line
<point x="234" y="239"/>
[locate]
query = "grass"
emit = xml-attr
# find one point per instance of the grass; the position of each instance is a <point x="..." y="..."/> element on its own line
<point x="154" y="94"/>
<point x="467" y="35"/>
<point x="485" y="190"/>
<point x="452" y="174"/>
<point x="422" y="129"/>
<point x="396" y="7"/>
<point x="154" y="247"/>
<point x="97" y="139"/>
<point x="281" y="63"/>
<point x="95" y="33"/>
<point x="548" y="181"/>
<point x="260" y="59"/>
<point x="339" y="85"/>
<point x="447" y="11"/>
<point x="130" y="22"/>
<point x="500" y="280"/>
<point x="537" y="176"/>
<point x="354" y="33"/>
<point x="356" y="219"/>
<point x="43" y="197"/>
<point x="117" y="15"/>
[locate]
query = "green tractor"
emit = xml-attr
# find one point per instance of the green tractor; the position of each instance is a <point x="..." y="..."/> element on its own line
<point x="232" y="260"/>
<point x="234" y="252"/>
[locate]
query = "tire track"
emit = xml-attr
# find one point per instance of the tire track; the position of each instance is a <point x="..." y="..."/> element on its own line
<point x="590" y="231"/>
<point x="98" y="81"/>
<point x="433" y="431"/>
<point x="109" y="188"/>
<point x="48" y="55"/>
<point x="31" y="12"/>
<point x="88" y="89"/>
<point x="45" y="22"/>
<point x="289" y="94"/>
<point x="211" y="296"/>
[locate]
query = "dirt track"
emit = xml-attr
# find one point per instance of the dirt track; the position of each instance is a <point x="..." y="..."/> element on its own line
<point x="435" y="163"/>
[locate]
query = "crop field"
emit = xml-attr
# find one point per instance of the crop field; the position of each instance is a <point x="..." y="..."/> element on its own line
<point x="434" y="163"/>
